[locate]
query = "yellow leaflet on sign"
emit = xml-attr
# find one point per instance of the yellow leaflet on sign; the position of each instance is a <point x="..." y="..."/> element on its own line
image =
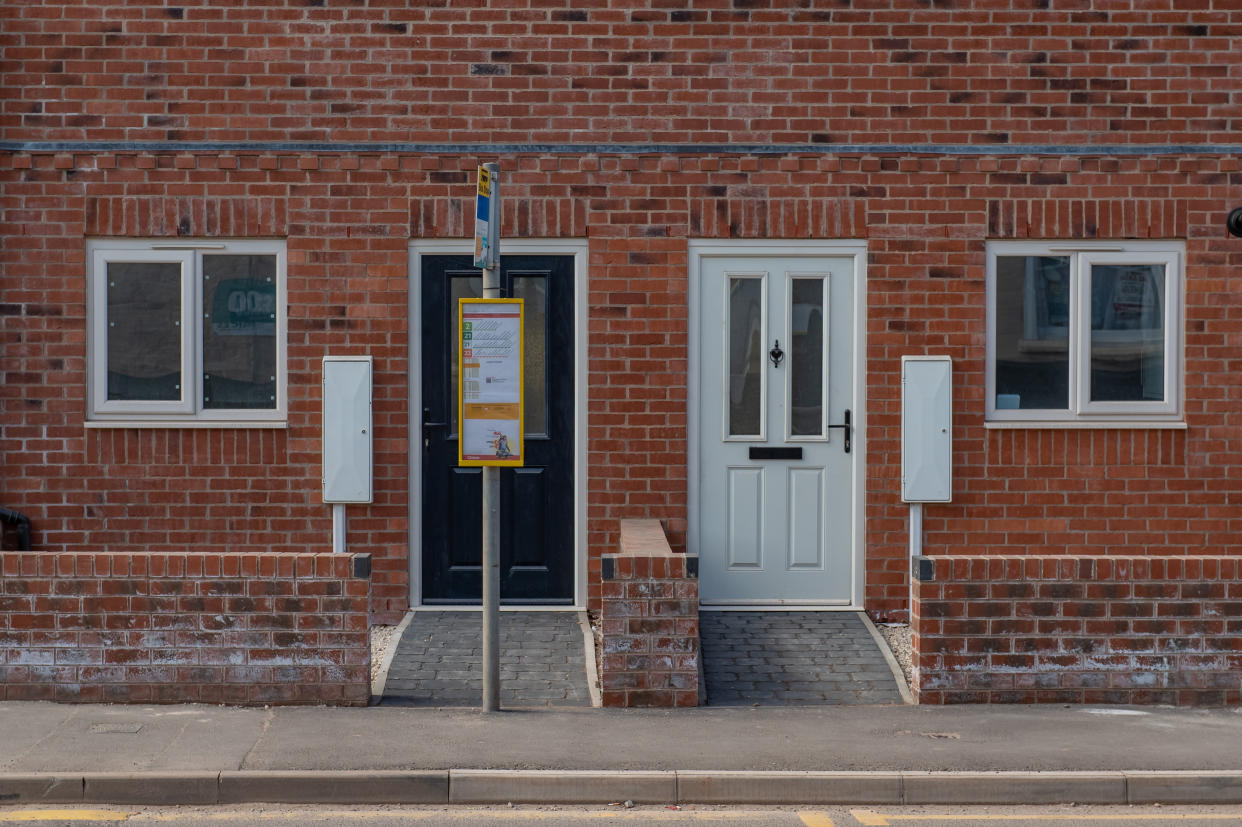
<point x="501" y="411"/>
<point x="489" y="389"/>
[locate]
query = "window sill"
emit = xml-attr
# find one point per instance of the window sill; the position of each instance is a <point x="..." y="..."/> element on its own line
<point x="236" y="424"/>
<point x="1085" y="424"/>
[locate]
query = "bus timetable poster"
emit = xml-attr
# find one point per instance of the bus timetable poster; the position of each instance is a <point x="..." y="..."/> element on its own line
<point x="489" y="382"/>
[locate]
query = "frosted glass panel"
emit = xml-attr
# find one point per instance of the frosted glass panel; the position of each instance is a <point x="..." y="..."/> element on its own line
<point x="534" y="291"/>
<point x="460" y="287"/>
<point x="745" y="356"/>
<point x="806" y="357"/>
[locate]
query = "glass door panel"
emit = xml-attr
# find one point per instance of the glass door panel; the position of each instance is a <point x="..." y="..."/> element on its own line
<point x="746" y="337"/>
<point x="808" y="339"/>
<point x="460" y="287"/>
<point x="534" y="291"/>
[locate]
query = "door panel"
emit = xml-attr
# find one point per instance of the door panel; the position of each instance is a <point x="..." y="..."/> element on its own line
<point x="537" y="509"/>
<point x="806" y="518"/>
<point x="776" y="345"/>
<point x="745" y="517"/>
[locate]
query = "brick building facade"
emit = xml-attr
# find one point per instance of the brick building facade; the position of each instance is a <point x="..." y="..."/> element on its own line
<point x="902" y="154"/>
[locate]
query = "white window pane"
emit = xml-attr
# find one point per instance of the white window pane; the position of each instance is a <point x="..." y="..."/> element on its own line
<point x="144" y="331"/>
<point x="1032" y="316"/>
<point x="239" y="331"/>
<point x="1127" y="332"/>
<point x="746" y="354"/>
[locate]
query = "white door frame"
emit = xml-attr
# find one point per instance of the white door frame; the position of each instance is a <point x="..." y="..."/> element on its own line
<point x="515" y="246"/>
<point x="704" y="248"/>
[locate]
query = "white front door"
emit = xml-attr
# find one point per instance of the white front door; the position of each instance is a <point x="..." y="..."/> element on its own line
<point x="776" y="485"/>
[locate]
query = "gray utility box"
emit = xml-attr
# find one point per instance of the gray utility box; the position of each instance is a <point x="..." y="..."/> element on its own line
<point x="926" y="429"/>
<point x="347" y="429"/>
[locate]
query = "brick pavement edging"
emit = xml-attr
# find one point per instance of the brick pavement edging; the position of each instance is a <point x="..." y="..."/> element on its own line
<point x="891" y="787"/>
<point x="649" y="621"/>
<point x="1127" y="630"/>
<point x="205" y="627"/>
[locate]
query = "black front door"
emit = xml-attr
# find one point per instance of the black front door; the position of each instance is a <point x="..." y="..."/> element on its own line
<point x="537" y="508"/>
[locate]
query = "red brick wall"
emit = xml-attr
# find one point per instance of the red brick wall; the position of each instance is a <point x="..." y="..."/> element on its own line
<point x="1041" y="491"/>
<point x="649" y="622"/>
<point x="1133" y="630"/>
<point x="978" y="71"/>
<point x="982" y="74"/>
<point x="182" y="628"/>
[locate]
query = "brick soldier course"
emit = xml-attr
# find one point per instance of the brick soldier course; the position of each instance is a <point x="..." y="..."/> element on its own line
<point x="345" y="132"/>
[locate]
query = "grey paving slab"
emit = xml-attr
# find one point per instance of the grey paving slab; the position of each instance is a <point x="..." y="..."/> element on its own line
<point x="820" y="738"/>
<point x="129" y="738"/>
<point x="792" y="658"/>
<point x="438" y="661"/>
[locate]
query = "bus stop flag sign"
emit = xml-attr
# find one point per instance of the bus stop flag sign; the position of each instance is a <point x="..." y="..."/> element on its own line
<point x="486" y="220"/>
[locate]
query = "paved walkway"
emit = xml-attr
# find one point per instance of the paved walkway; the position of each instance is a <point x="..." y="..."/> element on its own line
<point x="193" y="754"/>
<point x="438" y="661"/>
<point x="793" y="658"/>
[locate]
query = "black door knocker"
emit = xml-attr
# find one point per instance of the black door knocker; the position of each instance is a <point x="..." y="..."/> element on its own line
<point x="776" y="354"/>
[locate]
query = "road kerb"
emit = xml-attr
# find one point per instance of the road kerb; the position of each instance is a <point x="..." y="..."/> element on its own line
<point x="606" y="786"/>
<point x="561" y="787"/>
<point x="1013" y="788"/>
<point x="1184" y="787"/>
<point x="788" y="787"/>
<point x="335" y="787"/>
<point x="53" y="788"/>
<point x="155" y="788"/>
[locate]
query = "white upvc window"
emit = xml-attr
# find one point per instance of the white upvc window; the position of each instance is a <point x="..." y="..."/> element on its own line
<point x="186" y="333"/>
<point x="1088" y="333"/>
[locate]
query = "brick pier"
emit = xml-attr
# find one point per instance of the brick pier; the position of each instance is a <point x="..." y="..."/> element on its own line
<point x="650" y="621"/>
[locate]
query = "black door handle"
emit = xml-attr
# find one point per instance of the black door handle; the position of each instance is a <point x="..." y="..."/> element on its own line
<point x="847" y="428"/>
<point x="427" y="423"/>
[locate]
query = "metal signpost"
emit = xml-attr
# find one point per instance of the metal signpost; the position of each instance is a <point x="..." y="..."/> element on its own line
<point x="490" y="399"/>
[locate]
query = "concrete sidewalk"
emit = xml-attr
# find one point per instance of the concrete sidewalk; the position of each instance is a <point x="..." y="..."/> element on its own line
<point x="825" y="754"/>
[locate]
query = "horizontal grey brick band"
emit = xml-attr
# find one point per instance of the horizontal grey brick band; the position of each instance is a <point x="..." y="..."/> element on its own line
<point x="667" y="787"/>
<point x="622" y="149"/>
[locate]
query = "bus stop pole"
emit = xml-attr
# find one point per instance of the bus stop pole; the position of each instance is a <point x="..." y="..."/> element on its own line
<point x="491" y="492"/>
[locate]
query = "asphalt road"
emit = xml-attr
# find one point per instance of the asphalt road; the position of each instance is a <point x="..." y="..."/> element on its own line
<point x="619" y="815"/>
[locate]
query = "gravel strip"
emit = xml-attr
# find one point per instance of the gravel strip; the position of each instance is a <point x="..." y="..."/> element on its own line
<point x="897" y="636"/>
<point x="381" y="638"/>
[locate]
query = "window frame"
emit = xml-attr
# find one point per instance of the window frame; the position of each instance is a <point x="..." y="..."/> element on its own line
<point x="189" y="410"/>
<point x="1080" y="411"/>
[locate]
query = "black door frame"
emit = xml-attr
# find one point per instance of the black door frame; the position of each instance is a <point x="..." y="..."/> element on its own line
<point x="569" y="247"/>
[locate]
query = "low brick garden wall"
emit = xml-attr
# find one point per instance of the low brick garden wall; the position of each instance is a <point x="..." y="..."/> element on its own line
<point x="1127" y="630"/>
<point x="650" y="621"/>
<point x="193" y="627"/>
